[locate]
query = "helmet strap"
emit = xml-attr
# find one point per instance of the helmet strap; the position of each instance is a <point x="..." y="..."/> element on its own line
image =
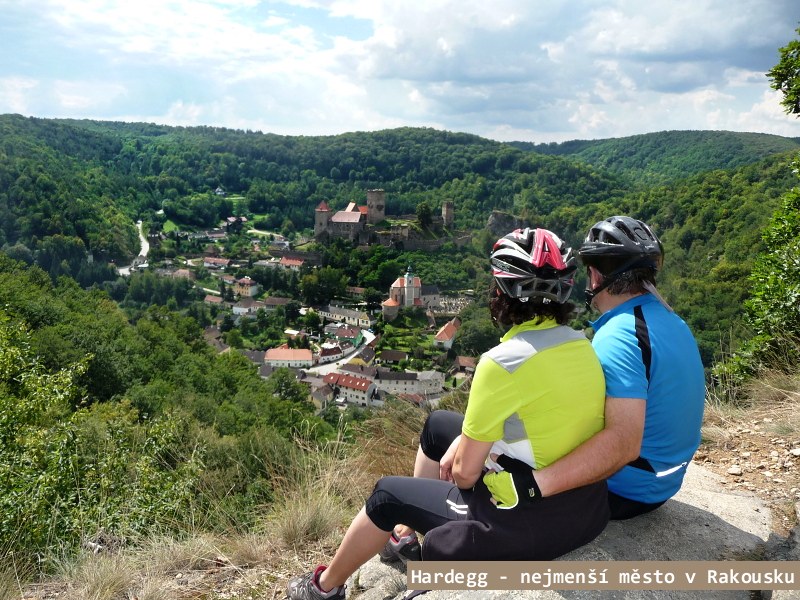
<point x="591" y="293"/>
<point x="616" y="274"/>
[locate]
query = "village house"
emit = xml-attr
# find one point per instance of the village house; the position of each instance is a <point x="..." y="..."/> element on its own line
<point x="211" y="262"/>
<point x="322" y="396"/>
<point x="245" y="287"/>
<point x="464" y="365"/>
<point x="292" y="264"/>
<point x="289" y="357"/>
<point x="447" y="334"/>
<point x="427" y="383"/>
<point x="183" y="274"/>
<point x="247" y="306"/>
<point x="213" y="337"/>
<point x="272" y="302"/>
<point x="254" y="356"/>
<point x="359" y="318"/>
<point x="353" y="335"/>
<point x="365" y="357"/>
<point x="234" y="224"/>
<point x="329" y="353"/>
<point x="268" y="263"/>
<point x="354" y="390"/>
<point x="212" y="299"/>
<point x="392" y="357"/>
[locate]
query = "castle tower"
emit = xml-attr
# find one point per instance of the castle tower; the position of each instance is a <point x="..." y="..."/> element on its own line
<point x="448" y="213"/>
<point x="376" y="206"/>
<point x="322" y="216"/>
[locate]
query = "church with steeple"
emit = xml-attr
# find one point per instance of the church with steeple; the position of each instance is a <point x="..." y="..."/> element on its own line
<point x="407" y="291"/>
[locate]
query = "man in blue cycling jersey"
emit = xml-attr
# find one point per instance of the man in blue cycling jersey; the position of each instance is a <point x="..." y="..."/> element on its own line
<point x="655" y="389"/>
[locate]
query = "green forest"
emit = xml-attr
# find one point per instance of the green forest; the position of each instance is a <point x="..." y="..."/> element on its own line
<point x="116" y="414"/>
<point x="71" y="191"/>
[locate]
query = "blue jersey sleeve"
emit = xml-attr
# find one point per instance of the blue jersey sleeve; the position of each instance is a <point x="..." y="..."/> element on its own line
<point x="621" y="359"/>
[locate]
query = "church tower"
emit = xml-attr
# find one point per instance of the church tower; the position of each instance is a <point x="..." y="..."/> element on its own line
<point x="376" y="206"/>
<point x="411" y="289"/>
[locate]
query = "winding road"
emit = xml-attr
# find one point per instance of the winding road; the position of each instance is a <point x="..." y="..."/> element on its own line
<point x="142" y="253"/>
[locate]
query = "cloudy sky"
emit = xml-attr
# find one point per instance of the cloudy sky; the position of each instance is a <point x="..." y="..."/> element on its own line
<point x="533" y="70"/>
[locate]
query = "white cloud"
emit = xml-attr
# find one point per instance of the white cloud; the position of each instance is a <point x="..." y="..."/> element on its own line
<point x="765" y="115"/>
<point x="76" y="96"/>
<point x="567" y="69"/>
<point x="15" y="94"/>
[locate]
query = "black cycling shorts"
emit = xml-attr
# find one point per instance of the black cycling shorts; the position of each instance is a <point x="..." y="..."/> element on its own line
<point x="465" y="525"/>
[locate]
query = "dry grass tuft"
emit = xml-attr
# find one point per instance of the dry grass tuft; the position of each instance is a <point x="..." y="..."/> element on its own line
<point x="154" y="588"/>
<point x="770" y="400"/>
<point x="773" y="399"/>
<point x="10" y="580"/>
<point x="316" y="500"/>
<point x="250" y="549"/>
<point x="167" y="556"/>
<point x="101" y="577"/>
<point x="389" y="440"/>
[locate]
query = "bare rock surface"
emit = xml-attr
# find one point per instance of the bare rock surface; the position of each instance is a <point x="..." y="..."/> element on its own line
<point x="707" y="520"/>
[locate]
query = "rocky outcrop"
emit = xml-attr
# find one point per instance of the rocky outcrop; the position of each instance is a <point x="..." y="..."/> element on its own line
<point x="501" y="223"/>
<point x="704" y="521"/>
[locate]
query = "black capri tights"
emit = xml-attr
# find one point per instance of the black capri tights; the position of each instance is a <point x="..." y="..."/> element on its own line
<point x="420" y="503"/>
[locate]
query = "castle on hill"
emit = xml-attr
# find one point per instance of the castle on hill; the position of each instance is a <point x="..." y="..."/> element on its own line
<point x="365" y="224"/>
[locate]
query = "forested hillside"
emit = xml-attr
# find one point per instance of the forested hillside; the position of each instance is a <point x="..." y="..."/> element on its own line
<point x="129" y="427"/>
<point x="655" y="158"/>
<point x="71" y="191"/>
<point x="711" y="226"/>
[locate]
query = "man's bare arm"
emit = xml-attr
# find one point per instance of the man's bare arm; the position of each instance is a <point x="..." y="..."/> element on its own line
<point x="603" y="454"/>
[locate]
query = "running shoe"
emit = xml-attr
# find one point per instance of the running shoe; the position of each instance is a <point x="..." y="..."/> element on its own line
<point x="405" y="548"/>
<point x="306" y="587"/>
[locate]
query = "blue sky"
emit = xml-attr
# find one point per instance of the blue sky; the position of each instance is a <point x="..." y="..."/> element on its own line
<point x="531" y="70"/>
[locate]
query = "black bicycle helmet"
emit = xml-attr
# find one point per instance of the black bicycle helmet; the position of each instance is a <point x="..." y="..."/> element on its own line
<point x="624" y="243"/>
<point x="533" y="263"/>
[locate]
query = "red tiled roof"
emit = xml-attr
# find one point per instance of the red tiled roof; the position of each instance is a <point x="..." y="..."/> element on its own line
<point x="292" y="262"/>
<point x="211" y="299"/>
<point x="323" y="206"/>
<point x="288" y="354"/>
<point x="401" y="282"/>
<point x="216" y="261"/>
<point x="447" y="332"/>
<point x="349" y="381"/>
<point x="347" y="332"/>
<point x="391" y="302"/>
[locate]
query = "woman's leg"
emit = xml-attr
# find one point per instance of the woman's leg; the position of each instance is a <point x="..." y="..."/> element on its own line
<point x="441" y="428"/>
<point x="362" y="541"/>
<point x="424" y="466"/>
<point x="421" y="503"/>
